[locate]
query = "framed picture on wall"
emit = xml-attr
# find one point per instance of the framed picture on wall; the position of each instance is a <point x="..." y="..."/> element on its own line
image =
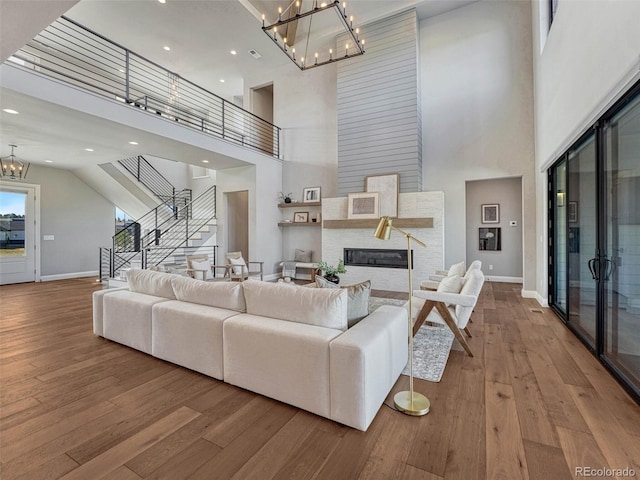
<point x="363" y="205"/>
<point x="388" y="186"/>
<point x="573" y="212"/>
<point x="491" y="213"/>
<point x="489" y="239"/>
<point x="311" y="194"/>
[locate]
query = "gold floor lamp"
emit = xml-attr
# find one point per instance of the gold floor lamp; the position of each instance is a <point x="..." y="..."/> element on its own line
<point x="411" y="403"/>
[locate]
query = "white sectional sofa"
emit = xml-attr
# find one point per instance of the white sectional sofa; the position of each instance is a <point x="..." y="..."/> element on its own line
<point x="286" y="342"/>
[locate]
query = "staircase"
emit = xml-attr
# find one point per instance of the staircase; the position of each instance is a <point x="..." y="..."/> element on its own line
<point x="164" y="236"/>
<point x="177" y="227"/>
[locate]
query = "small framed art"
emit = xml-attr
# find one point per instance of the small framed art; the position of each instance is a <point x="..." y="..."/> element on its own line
<point x="491" y="213"/>
<point x="311" y="194"/>
<point x="364" y="205"/>
<point x="301" y="217"/>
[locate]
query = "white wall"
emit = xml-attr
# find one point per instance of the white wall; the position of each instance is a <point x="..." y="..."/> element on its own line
<point x="477" y="110"/>
<point x="78" y="217"/>
<point x="507" y="193"/>
<point x="590" y="57"/>
<point x="304" y="106"/>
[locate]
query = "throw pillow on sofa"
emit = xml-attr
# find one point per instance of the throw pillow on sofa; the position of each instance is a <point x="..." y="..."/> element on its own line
<point x="358" y="299"/>
<point x="150" y="283"/>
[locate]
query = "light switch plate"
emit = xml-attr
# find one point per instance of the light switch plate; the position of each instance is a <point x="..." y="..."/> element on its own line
<point x="48" y="237"/>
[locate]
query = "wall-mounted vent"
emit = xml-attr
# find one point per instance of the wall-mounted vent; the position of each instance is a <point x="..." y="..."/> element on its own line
<point x="255" y="54"/>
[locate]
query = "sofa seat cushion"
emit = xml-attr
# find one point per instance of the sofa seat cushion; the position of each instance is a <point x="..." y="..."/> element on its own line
<point x="226" y="295"/>
<point x="127" y="318"/>
<point x="150" y="282"/>
<point x="280" y="359"/>
<point x="190" y="335"/>
<point x="313" y="306"/>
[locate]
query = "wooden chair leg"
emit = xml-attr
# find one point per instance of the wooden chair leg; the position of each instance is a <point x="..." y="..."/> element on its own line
<point x="466" y="330"/>
<point x="446" y="316"/>
<point x="422" y="315"/>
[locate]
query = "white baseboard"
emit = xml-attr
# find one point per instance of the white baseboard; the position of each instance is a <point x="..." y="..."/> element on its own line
<point x="271" y="276"/>
<point x="534" y="294"/>
<point x="65" y="276"/>
<point x="492" y="278"/>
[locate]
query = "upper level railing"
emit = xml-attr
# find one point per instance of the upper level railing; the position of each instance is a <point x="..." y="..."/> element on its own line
<point x="70" y="52"/>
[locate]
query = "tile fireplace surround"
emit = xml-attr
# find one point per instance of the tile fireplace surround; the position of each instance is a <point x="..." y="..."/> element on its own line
<point x="420" y="205"/>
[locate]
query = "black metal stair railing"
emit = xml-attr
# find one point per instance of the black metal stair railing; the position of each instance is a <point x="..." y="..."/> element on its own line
<point x="140" y="168"/>
<point x="70" y="52"/>
<point x="161" y="232"/>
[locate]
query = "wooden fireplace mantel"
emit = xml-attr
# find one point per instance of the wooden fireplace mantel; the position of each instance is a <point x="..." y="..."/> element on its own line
<point x="373" y="223"/>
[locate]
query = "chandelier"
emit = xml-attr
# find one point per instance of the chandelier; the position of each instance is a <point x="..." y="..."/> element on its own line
<point x="308" y="37"/>
<point x="13" y="168"/>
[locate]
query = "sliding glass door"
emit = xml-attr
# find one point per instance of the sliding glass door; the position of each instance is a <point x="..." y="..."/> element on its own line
<point x="581" y="234"/>
<point x="594" y="239"/>
<point x="621" y="265"/>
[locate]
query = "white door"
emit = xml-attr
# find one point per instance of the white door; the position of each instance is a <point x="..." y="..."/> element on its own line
<point x="18" y="218"/>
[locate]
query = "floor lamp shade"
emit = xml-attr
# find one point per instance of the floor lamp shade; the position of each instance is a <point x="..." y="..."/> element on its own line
<point x="409" y="402"/>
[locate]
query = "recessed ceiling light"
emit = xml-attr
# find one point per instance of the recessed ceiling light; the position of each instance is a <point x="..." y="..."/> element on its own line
<point x="205" y="161"/>
<point x="167" y="48"/>
<point x="222" y="80"/>
<point x="233" y="52"/>
<point x="89" y="149"/>
<point x="9" y="110"/>
<point x="162" y="1"/>
<point x="48" y="161"/>
<point x="133" y="143"/>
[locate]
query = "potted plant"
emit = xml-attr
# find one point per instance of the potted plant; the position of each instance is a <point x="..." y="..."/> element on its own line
<point x="331" y="272"/>
<point x="286" y="198"/>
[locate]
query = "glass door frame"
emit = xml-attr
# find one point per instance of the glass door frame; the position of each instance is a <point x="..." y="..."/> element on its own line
<point x="598" y="350"/>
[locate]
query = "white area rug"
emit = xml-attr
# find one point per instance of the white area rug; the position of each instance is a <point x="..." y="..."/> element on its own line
<point x="431" y="346"/>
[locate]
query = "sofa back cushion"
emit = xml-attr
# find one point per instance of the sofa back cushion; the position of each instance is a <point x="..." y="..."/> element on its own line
<point x="150" y="282"/>
<point x="323" y="307"/>
<point x="227" y="295"/>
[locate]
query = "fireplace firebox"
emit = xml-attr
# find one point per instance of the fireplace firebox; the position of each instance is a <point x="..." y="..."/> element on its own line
<point x="376" y="257"/>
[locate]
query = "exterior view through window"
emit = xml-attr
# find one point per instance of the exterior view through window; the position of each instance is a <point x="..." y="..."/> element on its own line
<point x="12" y="211"/>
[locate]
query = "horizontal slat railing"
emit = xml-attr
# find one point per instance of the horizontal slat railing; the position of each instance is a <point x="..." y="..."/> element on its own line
<point x="75" y="54"/>
<point x="162" y="232"/>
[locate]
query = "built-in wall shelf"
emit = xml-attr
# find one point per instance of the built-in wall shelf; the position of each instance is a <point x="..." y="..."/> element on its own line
<point x="373" y="223"/>
<point x="299" y="224"/>
<point x="299" y="204"/>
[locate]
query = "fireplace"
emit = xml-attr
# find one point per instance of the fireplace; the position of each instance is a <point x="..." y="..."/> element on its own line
<point x="377" y="257"/>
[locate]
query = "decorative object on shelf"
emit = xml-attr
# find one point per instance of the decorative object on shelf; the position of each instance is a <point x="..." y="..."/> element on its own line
<point x="489" y="239"/>
<point x="363" y="205"/>
<point x="12" y="168"/>
<point x="301" y="217"/>
<point x="286" y="198"/>
<point x="409" y="402"/>
<point x="388" y="186"/>
<point x="311" y="194"/>
<point x="331" y="272"/>
<point x="491" y="213"/>
<point x="294" y="29"/>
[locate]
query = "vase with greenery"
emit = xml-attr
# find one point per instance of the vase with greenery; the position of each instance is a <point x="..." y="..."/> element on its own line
<point x="331" y="272"/>
<point x="285" y="198"/>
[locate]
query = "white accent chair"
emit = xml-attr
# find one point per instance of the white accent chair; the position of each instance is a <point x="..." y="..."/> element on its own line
<point x="450" y="309"/>
<point x="455" y="269"/>
<point x="239" y="270"/>
<point x="199" y="268"/>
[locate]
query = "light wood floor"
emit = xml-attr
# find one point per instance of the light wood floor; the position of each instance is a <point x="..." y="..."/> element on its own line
<point x="531" y="404"/>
